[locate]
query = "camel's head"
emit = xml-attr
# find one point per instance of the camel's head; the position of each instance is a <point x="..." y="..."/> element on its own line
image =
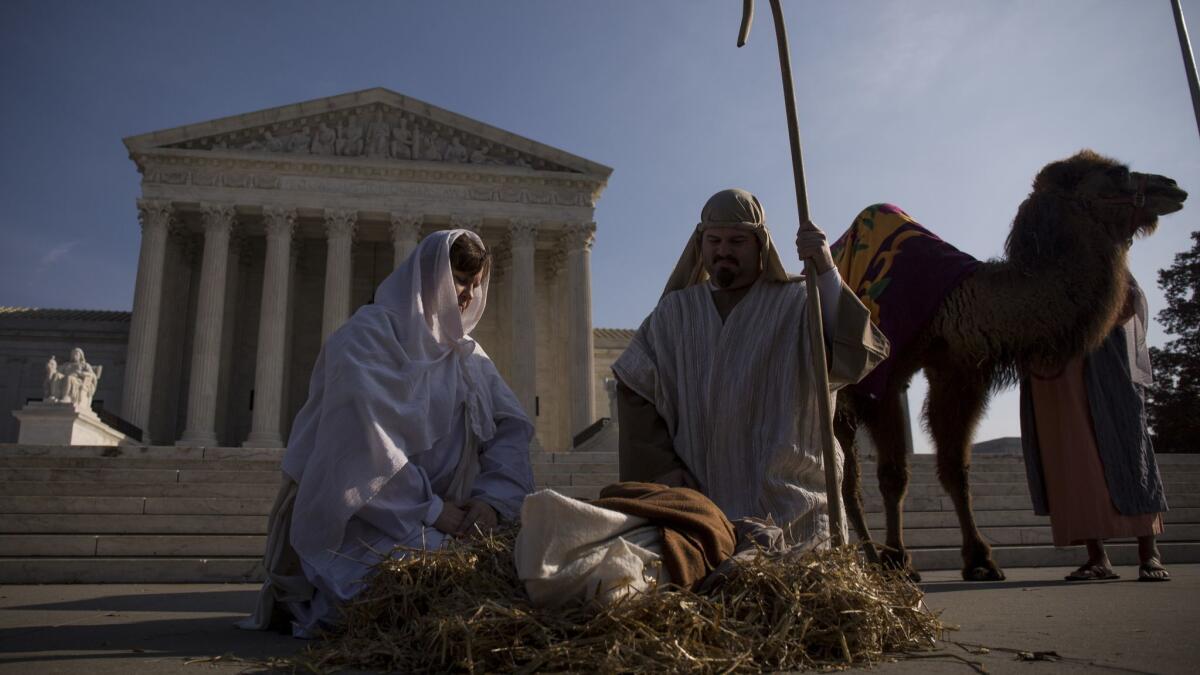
<point x="1089" y="197"/>
<point x="1127" y="201"/>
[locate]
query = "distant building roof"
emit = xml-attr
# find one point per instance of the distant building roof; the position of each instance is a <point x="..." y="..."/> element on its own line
<point x="1006" y="445"/>
<point x="612" y="338"/>
<point x="625" y="334"/>
<point x="40" y="313"/>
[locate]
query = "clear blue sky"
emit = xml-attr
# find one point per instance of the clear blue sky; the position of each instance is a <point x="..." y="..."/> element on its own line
<point x="945" y="107"/>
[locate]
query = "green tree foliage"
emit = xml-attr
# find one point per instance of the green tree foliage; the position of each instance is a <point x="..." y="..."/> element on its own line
<point x="1174" y="401"/>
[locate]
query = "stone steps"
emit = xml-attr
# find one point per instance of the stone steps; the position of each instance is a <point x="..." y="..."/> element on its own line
<point x="999" y="518"/>
<point x="142" y="476"/>
<point x="597" y="480"/>
<point x="138" y="523"/>
<point x="134" y="463"/>
<point x="1178" y="458"/>
<point x="132" y="545"/>
<point x="928" y="476"/>
<point x="258" y="505"/>
<point x="173" y="453"/>
<point x="172" y="514"/>
<point x="162" y="452"/>
<point x="256" y="524"/>
<point x="1120" y="553"/>
<point x="948" y="537"/>
<point x="225" y="545"/>
<point x="135" y="505"/>
<point x="919" y="490"/>
<point x="119" y="489"/>
<point x="999" y="503"/>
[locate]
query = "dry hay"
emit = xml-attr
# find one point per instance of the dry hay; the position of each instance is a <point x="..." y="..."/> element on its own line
<point x="463" y="609"/>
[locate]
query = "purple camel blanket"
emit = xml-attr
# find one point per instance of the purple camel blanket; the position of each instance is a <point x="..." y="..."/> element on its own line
<point x="901" y="272"/>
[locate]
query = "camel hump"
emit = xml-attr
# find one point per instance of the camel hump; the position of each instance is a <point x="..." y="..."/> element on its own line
<point x="885" y="249"/>
<point x="864" y="224"/>
<point x="900" y="271"/>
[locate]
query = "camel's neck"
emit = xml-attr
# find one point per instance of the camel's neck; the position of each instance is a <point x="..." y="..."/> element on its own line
<point x="1056" y="308"/>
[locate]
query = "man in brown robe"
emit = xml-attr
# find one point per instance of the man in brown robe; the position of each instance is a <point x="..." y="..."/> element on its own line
<point x="714" y="390"/>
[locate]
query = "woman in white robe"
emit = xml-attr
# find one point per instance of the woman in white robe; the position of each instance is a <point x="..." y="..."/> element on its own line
<point x="409" y="436"/>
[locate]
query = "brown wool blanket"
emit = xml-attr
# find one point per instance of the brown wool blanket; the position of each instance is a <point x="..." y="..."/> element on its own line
<point x="697" y="535"/>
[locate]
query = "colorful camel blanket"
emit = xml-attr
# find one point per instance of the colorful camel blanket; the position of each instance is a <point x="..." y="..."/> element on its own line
<point x="901" y="272"/>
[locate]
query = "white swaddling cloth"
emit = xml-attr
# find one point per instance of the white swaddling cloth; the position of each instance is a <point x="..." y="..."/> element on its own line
<point x="570" y="552"/>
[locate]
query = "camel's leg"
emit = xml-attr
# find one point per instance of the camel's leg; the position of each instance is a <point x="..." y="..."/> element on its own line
<point x="956" y="401"/>
<point x="885" y="420"/>
<point x="845" y="424"/>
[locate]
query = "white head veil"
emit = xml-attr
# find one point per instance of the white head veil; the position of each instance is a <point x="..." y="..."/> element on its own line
<point x="734" y="208"/>
<point x="422" y="287"/>
<point x="387" y="385"/>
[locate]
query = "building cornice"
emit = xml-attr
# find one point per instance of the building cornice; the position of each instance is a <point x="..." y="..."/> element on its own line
<point x="205" y="169"/>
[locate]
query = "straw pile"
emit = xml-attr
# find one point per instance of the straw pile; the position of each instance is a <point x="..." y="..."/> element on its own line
<point x="463" y="609"/>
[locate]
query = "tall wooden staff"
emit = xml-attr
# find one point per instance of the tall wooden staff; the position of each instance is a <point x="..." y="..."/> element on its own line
<point x="1189" y="62"/>
<point x="816" y="330"/>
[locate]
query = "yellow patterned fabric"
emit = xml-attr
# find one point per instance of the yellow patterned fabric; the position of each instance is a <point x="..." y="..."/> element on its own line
<point x="901" y="272"/>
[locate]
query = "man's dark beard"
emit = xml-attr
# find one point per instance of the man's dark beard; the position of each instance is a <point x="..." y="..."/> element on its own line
<point x="723" y="277"/>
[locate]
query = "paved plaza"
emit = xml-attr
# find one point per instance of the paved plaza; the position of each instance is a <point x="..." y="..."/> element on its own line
<point x="1115" y="627"/>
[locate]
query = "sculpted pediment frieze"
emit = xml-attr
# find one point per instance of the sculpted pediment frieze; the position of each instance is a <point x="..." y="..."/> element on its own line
<point x="375" y="131"/>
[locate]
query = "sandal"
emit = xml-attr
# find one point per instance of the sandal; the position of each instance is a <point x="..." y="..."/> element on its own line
<point x="1152" y="570"/>
<point x="1092" y="573"/>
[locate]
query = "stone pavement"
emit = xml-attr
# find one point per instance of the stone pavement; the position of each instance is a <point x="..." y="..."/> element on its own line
<point x="1115" y="627"/>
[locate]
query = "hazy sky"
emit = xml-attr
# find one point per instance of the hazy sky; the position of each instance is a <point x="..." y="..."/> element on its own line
<point x="945" y="107"/>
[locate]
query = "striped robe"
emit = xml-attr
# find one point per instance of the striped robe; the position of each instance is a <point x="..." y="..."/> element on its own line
<point x="740" y="410"/>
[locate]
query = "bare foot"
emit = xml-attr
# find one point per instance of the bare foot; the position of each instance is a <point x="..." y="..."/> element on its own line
<point x="1153" y="570"/>
<point x="1092" y="572"/>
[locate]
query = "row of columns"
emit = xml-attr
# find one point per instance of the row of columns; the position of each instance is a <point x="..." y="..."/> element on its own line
<point x="340" y="227"/>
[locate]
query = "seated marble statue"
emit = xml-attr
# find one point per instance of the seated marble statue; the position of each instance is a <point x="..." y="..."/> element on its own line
<point x="73" y="382"/>
<point x="409" y="437"/>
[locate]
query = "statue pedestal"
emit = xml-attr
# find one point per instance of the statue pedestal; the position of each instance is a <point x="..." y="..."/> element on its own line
<point x="63" y="424"/>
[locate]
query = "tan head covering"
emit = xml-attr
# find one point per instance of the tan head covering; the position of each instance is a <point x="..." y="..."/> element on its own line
<point x="734" y="208"/>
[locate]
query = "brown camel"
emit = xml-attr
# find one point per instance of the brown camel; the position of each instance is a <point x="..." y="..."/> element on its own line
<point x="1056" y="294"/>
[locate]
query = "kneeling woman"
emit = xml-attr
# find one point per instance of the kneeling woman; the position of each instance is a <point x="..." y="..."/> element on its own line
<point x="409" y="436"/>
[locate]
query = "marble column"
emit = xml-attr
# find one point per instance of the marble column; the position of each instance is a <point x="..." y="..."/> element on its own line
<point x="210" y="314"/>
<point x="556" y="408"/>
<point x="296" y="272"/>
<point x="522" y="235"/>
<point x="577" y="240"/>
<point x="155" y="218"/>
<point x="280" y="225"/>
<point x="499" y="304"/>
<point x="239" y="257"/>
<point x="339" y="229"/>
<point x="405" y="234"/>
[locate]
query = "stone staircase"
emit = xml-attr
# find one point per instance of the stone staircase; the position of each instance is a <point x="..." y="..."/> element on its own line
<point x="1004" y="514"/>
<point x="133" y="514"/>
<point x="171" y="514"/>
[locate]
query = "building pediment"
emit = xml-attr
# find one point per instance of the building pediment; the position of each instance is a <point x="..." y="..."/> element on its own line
<point x="370" y="126"/>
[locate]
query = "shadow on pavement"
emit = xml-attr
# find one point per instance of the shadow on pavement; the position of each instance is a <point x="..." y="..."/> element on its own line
<point x="112" y="637"/>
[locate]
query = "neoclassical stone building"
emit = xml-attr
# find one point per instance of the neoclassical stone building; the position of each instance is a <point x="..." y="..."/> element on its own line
<point x="263" y="232"/>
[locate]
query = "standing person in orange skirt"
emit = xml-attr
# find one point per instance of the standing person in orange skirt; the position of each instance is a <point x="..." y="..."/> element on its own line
<point x="1088" y="455"/>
